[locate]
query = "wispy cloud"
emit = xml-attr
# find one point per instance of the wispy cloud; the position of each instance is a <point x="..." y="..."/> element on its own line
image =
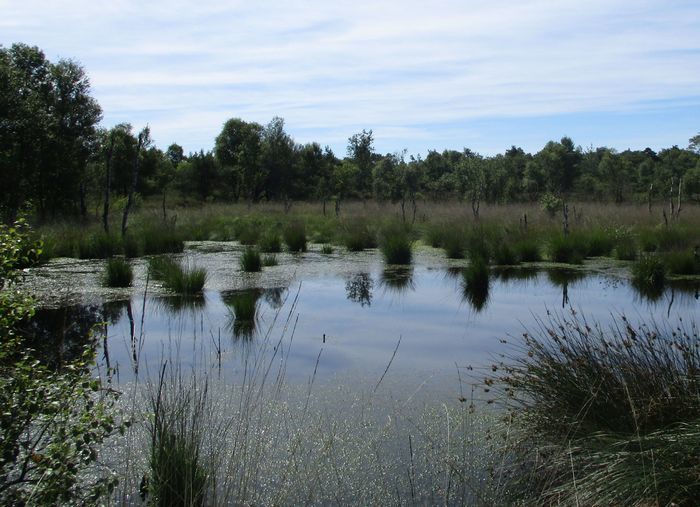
<point x="405" y="69"/>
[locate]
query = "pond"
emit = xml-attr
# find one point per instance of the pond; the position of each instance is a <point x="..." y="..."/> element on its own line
<point x="343" y="315"/>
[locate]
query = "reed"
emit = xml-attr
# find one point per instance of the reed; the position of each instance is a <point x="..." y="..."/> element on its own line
<point x="250" y="260"/>
<point x="118" y="273"/>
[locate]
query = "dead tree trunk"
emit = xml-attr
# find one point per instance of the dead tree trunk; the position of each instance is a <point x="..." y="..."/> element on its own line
<point x="143" y="141"/>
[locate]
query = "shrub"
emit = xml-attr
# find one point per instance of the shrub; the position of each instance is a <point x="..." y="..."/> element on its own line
<point x="295" y="237"/>
<point x="118" y="273"/>
<point x="550" y="204"/>
<point x="250" y="260"/>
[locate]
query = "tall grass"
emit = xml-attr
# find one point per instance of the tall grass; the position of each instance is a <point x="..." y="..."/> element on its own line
<point x="181" y="280"/>
<point x="270" y="242"/>
<point x="295" y="237"/>
<point x="250" y="260"/>
<point x="396" y="245"/>
<point x="244" y="312"/>
<point x="566" y="249"/>
<point x="603" y="416"/>
<point x="359" y="235"/>
<point x="118" y="273"/>
<point x="649" y="273"/>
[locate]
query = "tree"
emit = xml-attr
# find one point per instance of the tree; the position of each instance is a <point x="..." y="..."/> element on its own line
<point x="143" y="141"/>
<point x="47" y="131"/>
<point x="238" y="150"/>
<point x="277" y="160"/>
<point x="361" y="151"/>
<point x="694" y="144"/>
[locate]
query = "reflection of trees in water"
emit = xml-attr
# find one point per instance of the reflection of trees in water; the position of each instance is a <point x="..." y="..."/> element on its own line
<point x="358" y="288"/>
<point x="60" y="335"/>
<point x="398" y="279"/>
<point x="563" y="278"/>
<point x="243" y="309"/>
<point x="475" y="287"/>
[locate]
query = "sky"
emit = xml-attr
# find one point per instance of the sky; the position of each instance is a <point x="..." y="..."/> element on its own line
<point x="483" y="75"/>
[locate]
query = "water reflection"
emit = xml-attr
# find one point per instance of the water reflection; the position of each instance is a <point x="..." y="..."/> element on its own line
<point x="515" y="274"/>
<point x="475" y="286"/>
<point x="243" y="311"/>
<point x="563" y="278"/>
<point x="358" y="289"/>
<point x="178" y="304"/>
<point x="397" y="279"/>
<point x="60" y="335"/>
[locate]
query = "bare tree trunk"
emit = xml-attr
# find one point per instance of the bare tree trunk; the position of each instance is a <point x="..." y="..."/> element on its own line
<point x="108" y="184"/>
<point x="143" y="140"/>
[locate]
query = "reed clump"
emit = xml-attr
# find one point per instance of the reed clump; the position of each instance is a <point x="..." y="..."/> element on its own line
<point x="183" y="280"/>
<point x="250" y="260"/>
<point x="118" y="273"/>
<point x="649" y="272"/>
<point x="603" y="415"/>
<point x="294" y="235"/>
<point x="396" y="245"/>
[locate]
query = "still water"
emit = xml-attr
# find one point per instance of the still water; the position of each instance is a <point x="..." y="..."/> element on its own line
<point x="326" y="317"/>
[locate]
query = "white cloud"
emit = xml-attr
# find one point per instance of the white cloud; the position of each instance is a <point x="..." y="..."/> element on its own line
<point x="384" y="65"/>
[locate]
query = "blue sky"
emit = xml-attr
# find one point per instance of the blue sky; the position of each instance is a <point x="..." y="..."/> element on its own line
<point x="423" y="75"/>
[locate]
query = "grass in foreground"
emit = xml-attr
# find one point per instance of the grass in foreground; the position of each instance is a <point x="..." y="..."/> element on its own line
<point x="604" y="416"/>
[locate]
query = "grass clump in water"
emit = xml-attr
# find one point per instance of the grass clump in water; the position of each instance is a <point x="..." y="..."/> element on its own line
<point x="476" y="284"/>
<point x="295" y="237"/>
<point x="251" y="261"/>
<point x="649" y="273"/>
<point x="270" y="242"/>
<point x="454" y="243"/>
<point x="396" y="245"/>
<point x="683" y="262"/>
<point x="603" y="416"/>
<point x="327" y="249"/>
<point x="359" y="235"/>
<point x="269" y="260"/>
<point x="118" y="273"/>
<point x="566" y="249"/>
<point x="181" y="280"/>
<point x="178" y="475"/>
<point x="527" y="250"/>
<point x="99" y="245"/>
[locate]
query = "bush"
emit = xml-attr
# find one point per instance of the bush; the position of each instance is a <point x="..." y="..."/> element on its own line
<point x="295" y="237"/>
<point x="550" y="204"/>
<point x="683" y="263"/>
<point x="250" y="260"/>
<point x="118" y="273"/>
<point x="603" y="416"/>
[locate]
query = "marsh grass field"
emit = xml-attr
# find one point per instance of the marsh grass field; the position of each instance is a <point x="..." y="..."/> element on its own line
<point x="554" y="414"/>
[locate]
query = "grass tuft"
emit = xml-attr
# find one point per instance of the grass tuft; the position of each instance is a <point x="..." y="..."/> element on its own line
<point x="396" y="245"/>
<point x="295" y="237"/>
<point x="180" y="280"/>
<point x="118" y="273"/>
<point x="250" y="260"/>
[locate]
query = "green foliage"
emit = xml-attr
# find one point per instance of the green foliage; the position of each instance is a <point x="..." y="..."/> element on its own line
<point x="603" y="416"/>
<point x="550" y="204"/>
<point x="247" y="232"/>
<point x="478" y="247"/>
<point x="476" y="283"/>
<point x="327" y="249"/>
<point x="504" y="254"/>
<point x="118" y="273"/>
<point x="52" y="423"/>
<point x="294" y="235"/>
<point x="453" y="241"/>
<point x="160" y="240"/>
<point x="250" y="260"/>
<point x="598" y="242"/>
<point x="396" y="245"/>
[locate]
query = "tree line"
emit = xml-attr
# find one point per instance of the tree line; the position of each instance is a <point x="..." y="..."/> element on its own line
<point x="55" y="156"/>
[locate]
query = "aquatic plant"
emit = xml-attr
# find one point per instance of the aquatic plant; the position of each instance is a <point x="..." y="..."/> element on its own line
<point x="602" y="415"/>
<point x="358" y="235"/>
<point x="181" y="280"/>
<point x="270" y="242"/>
<point x="527" y="249"/>
<point x="250" y="260"/>
<point x="118" y="272"/>
<point x="453" y="242"/>
<point x="294" y="235"/>
<point x="565" y="249"/>
<point x="327" y="249"/>
<point x="476" y="284"/>
<point x="269" y="260"/>
<point x="683" y="262"/>
<point x="99" y="245"/>
<point x="649" y="272"/>
<point x="178" y="474"/>
<point x="396" y="245"/>
<point x="504" y="254"/>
